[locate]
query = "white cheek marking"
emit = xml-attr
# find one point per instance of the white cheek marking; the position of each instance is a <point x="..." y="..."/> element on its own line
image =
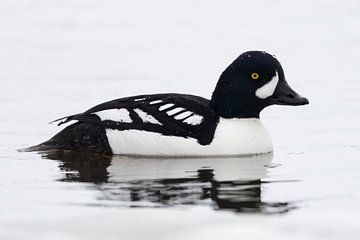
<point x="194" y="120"/>
<point x="269" y="88"/>
<point x="117" y="115"/>
<point x="146" y="117"/>
<point x="183" y="115"/>
<point x="174" y="111"/>
<point x="166" y="106"/>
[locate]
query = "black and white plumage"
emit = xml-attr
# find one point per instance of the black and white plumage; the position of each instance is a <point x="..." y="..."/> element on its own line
<point x="169" y="114"/>
<point x="185" y="125"/>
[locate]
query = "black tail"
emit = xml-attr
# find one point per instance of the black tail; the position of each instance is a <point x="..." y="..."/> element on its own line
<point x="80" y="137"/>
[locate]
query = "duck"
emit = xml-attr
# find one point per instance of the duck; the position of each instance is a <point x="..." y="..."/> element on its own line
<point x="184" y="125"/>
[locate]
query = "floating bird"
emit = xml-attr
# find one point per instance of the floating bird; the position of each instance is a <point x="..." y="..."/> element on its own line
<point x="180" y="125"/>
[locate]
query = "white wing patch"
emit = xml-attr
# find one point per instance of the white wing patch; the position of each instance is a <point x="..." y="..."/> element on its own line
<point x="194" y="120"/>
<point x="174" y="111"/>
<point x="183" y="115"/>
<point x="268" y="89"/>
<point x="116" y="115"/>
<point x="166" y="106"/>
<point x="146" y="117"/>
<point x="156" y="101"/>
<point x="139" y="99"/>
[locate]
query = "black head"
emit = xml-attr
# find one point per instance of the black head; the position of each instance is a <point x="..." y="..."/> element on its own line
<point x="252" y="82"/>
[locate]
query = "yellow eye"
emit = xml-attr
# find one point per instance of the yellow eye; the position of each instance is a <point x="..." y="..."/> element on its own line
<point x="255" y="76"/>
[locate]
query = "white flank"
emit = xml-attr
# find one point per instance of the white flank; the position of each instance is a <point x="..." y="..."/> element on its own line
<point x="166" y="106"/>
<point x="156" y="101"/>
<point x="233" y="137"/>
<point x="146" y="117"/>
<point x="174" y="111"/>
<point x="183" y="115"/>
<point x="117" y="115"/>
<point x="194" y="120"/>
<point x="268" y="89"/>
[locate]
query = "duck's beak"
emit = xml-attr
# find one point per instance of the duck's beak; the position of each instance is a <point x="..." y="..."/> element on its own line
<point x="284" y="95"/>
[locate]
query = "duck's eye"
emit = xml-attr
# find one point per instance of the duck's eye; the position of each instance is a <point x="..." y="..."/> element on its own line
<point x="255" y="76"/>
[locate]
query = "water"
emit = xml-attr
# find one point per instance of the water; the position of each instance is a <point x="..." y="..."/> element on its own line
<point x="223" y="183"/>
<point x="62" y="58"/>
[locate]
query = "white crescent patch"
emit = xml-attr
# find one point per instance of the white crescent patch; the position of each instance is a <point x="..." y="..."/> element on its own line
<point x="269" y="88"/>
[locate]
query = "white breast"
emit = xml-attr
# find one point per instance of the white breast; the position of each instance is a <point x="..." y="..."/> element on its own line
<point x="233" y="137"/>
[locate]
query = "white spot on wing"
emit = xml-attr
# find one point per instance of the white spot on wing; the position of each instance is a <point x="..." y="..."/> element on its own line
<point x="268" y="89"/>
<point x="174" y="111"/>
<point x="166" y="106"/>
<point x="194" y="120"/>
<point x="117" y="115"/>
<point x="183" y="115"/>
<point x="139" y="99"/>
<point x="146" y="117"/>
<point x="155" y="102"/>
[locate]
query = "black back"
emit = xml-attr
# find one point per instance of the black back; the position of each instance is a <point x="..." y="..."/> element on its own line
<point x="169" y="126"/>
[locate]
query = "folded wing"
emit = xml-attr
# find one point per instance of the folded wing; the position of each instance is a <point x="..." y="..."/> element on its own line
<point x="167" y="114"/>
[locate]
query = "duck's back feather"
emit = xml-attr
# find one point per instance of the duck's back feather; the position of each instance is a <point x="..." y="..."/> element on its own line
<point x="168" y="114"/>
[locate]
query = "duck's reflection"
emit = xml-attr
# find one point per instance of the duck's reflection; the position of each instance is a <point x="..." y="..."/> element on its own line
<point x="224" y="183"/>
<point x="80" y="167"/>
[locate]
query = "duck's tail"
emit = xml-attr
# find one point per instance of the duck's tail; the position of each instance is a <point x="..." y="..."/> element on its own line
<point x="80" y="137"/>
<point x="42" y="147"/>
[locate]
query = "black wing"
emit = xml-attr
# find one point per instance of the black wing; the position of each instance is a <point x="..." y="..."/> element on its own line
<point x="168" y="114"/>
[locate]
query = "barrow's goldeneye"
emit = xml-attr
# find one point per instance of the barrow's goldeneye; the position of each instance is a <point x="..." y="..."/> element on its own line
<point x="180" y="125"/>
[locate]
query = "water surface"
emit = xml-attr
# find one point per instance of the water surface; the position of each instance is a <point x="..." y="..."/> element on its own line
<point x="219" y="183"/>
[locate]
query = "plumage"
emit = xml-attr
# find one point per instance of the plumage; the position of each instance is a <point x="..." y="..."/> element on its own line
<point x="156" y="113"/>
<point x="173" y="124"/>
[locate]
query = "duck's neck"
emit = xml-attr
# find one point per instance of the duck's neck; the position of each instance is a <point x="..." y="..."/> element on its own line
<point x="232" y="99"/>
<point x="239" y="106"/>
